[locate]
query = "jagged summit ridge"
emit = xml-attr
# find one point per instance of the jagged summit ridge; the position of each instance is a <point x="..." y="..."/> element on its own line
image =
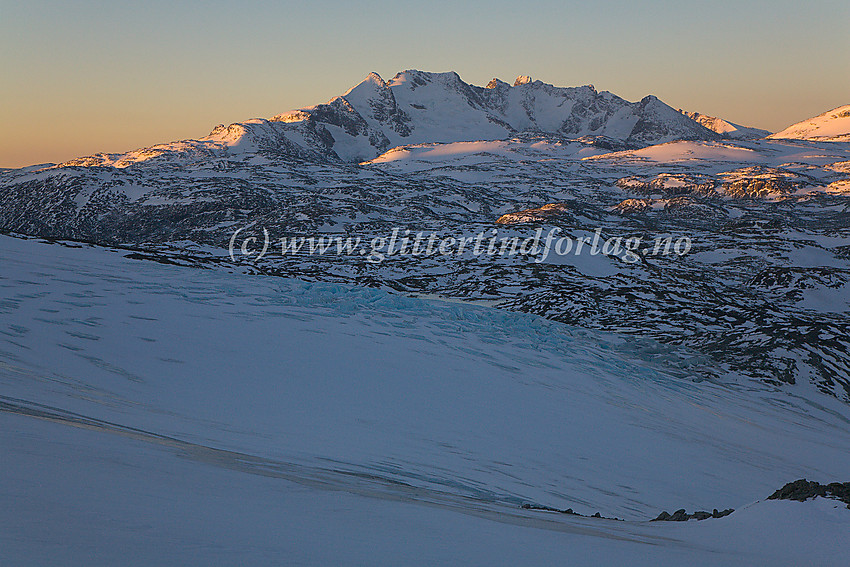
<point x="421" y="107"/>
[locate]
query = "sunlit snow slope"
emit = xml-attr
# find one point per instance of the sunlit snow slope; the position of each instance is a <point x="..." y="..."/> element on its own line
<point x="833" y="126"/>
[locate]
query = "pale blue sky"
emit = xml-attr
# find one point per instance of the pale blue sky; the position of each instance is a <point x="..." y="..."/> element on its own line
<point x="82" y="77"/>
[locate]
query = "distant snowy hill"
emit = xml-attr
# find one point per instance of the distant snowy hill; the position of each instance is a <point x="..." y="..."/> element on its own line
<point x="833" y="126"/>
<point x="725" y="128"/>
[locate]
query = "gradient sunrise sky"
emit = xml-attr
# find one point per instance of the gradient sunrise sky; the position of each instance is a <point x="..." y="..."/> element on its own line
<point x="85" y="77"/>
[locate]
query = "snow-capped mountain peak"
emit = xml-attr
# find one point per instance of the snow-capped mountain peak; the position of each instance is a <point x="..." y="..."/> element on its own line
<point x="725" y="128"/>
<point x="416" y="107"/>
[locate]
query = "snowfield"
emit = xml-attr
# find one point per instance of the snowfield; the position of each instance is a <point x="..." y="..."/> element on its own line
<point x="158" y="413"/>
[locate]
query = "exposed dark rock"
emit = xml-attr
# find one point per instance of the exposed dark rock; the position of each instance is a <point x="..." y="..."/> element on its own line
<point x="633" y="206"/>
<point x="682" y="516"/>
<point x="759" y="187"/>
<point x="801" y="490"/>
<point x="670" y="185"/>
<point x="548" y="509"/>
<point x="540" y="214"/>
<point x="568" y="511"/>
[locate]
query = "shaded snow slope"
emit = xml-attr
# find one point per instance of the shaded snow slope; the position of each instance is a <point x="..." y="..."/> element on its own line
<point x="222" y="358"/>
<point x="88" y="498"/>
<point x="325" y="406"/>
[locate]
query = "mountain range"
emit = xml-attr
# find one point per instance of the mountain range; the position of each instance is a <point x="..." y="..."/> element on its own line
<point x="416" y="107"/>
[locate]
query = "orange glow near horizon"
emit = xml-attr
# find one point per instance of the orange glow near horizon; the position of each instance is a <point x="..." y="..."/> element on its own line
<point x="86" y="78"/>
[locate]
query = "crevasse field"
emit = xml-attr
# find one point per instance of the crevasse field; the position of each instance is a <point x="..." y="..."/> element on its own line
<point x="157" y="413"/>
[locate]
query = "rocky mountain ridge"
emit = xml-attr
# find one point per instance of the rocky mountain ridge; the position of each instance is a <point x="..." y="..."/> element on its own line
<point x="417" y="107"/>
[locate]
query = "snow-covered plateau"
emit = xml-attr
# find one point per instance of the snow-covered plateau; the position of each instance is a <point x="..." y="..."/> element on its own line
<point x="164" y="401"/>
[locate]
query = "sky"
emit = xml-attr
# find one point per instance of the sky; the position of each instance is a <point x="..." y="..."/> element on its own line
<point x="83" y="77"/>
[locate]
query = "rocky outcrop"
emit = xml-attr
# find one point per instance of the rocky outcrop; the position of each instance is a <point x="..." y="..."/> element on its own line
<point x="633" y="206"/>
<point x="802" y="490"/>
<point x="759" y="187"/>
<point x="799" y="490"/>
<point x="540" y="214"/>
<point x="683" y="516"/>
<point x="568" y="511"/>
<point x="668" y="184"/>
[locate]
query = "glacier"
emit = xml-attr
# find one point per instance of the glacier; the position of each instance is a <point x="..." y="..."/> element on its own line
<point x="155" y="411"/>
